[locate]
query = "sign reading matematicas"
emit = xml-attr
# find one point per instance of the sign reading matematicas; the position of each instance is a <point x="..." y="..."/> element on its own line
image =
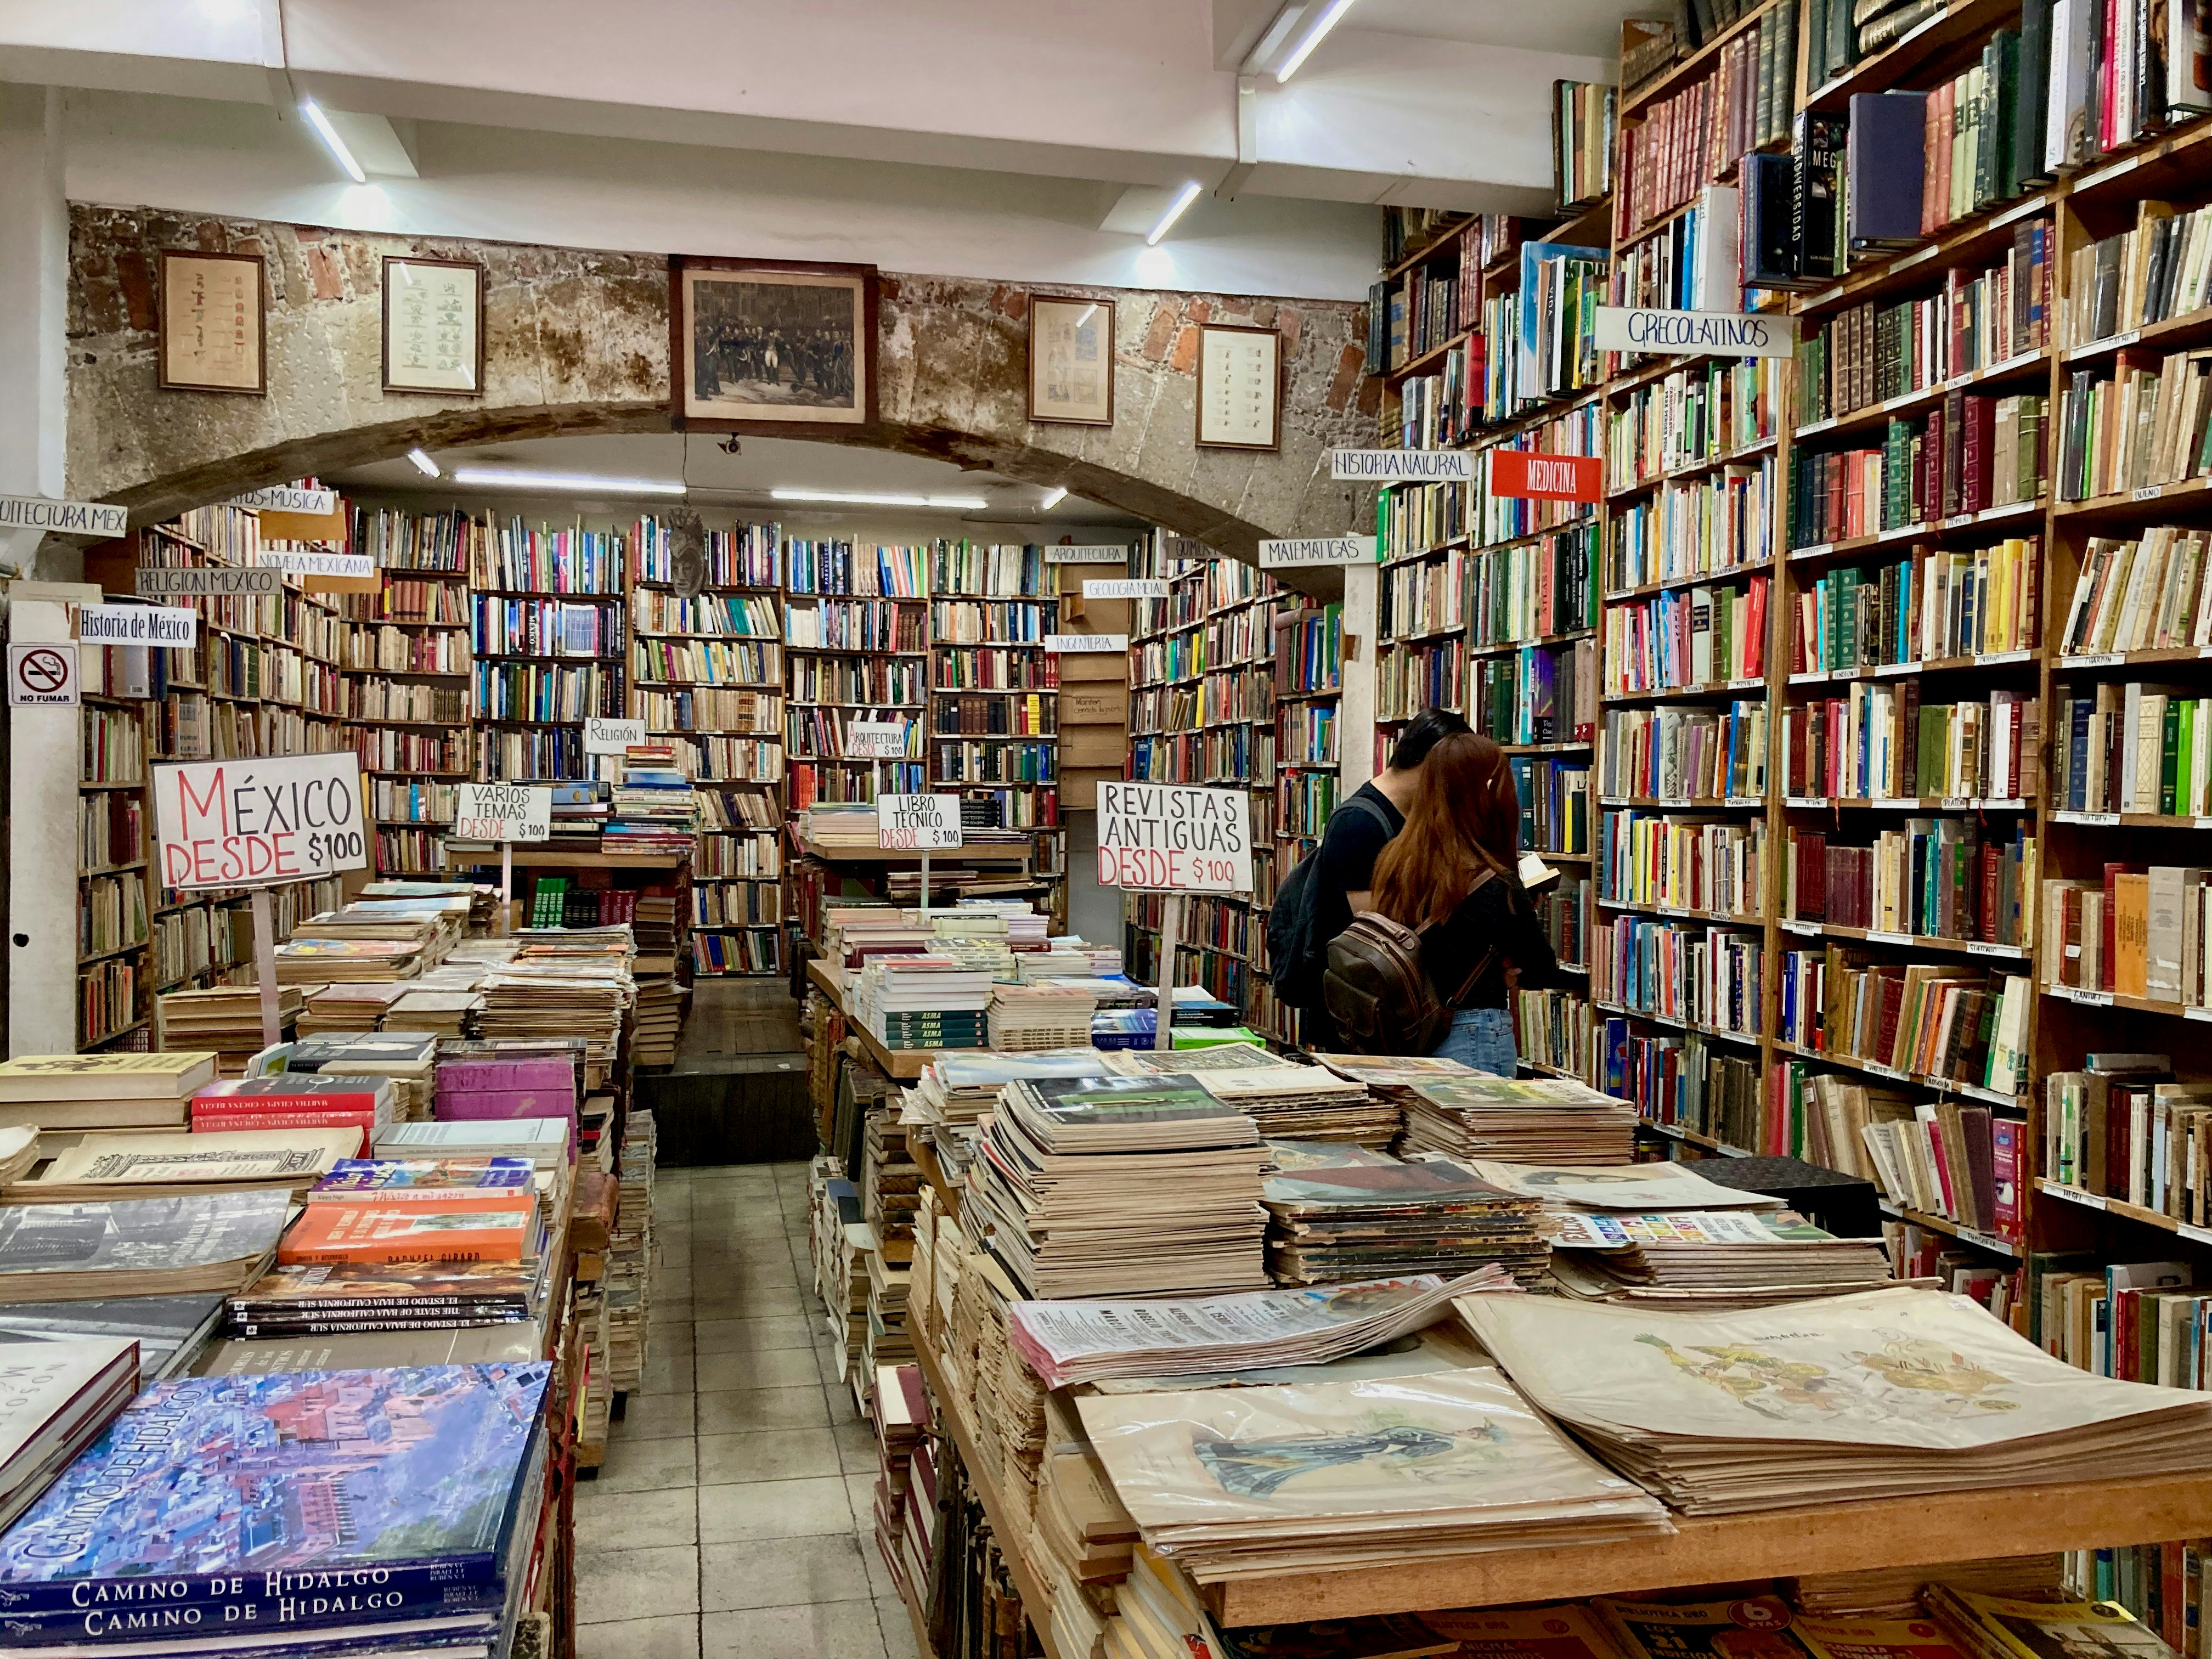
<point x="1316" y="550"/>
<point x="64" y="518"/>
<point x="1397" y="465"/>
<point x="1724" y="333"/>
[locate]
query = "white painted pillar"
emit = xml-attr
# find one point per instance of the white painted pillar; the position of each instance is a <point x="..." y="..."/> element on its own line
<point x="42" y="852"/>
<point x="1355" y="713"/>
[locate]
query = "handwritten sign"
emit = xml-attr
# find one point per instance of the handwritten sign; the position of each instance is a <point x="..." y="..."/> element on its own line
<point x="1096" y="554"/>
<point x="1722" y="333"/>
<point x="917" y="823"/>
<point x="503" y="811"/>
<point x="875" y="739"/>
<point x="1527" y="477"/>
<point x="1125" y="587"/>
<point x="64" y="518"/>
<point x="136" y="624"/>
<point x="297" y="563"/>
<point x="290" y="498"/>
<point x="1316" y="550"/>
<point x="209" y="583"/>
<point x="1165" y="838"/>
<point x="1400" y="465"/>
<point x="239" y="823"/>
<point x="606" y="736"/>
<point x="1074" y="644"/>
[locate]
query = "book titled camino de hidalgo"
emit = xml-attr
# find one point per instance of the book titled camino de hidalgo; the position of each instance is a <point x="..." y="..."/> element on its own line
<point x="249" y="1508"/>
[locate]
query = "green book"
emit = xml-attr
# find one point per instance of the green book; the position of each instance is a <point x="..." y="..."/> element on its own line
<point x="2005" y="166"/>
<point x="2184" y="764"/>
<point x="2169" y="756"/>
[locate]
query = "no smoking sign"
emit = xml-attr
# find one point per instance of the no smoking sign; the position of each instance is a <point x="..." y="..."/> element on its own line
<point x="42" y="675"/>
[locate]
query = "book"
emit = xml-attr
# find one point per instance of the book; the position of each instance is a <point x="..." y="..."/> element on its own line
<point x="171" y="1331"/>
<point x="169" y="1165"/>
<point x="201" y="1242"/>
<point x="105" y="1078"/>
<point x="55" y="1397"/>
<point x="490" y="1229"/>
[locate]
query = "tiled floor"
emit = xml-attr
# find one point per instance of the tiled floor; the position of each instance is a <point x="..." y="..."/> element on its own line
<point x="732" y="1517"/>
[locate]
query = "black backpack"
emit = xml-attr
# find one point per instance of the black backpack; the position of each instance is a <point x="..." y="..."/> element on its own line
<point x="1298" y="954"/>
<point x="1380" y="996"/>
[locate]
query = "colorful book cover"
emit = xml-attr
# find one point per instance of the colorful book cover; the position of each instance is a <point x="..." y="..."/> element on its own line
<point x="360" y="1180"/>
<point x="233" y="1494"/>
<point x="491" y="1229"/>
<point x="339" y="1286"/>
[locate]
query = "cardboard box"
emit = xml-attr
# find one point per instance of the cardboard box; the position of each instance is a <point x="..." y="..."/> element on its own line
<point x="1087" y="746"/>
<point x="1093" y="668"/>
<point x="1079" y="787"/>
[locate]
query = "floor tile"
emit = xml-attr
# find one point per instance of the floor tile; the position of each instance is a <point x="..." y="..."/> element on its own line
<point x="754" y="1335"/>
<point x="857" y="1452"/>
<point x="846" y="1630"/>
<point x="738" y="1410"/>
<point x="768" y="1455"/>
<point x="617" y="1584"/>
<point x="782" y="1572"/>
<point x="640" y="1639"/>
<point x="783" y="1368"/>
<point x="654" y="1417"/>
<point x="773" y="1509"/>
<point x="898" y="1628"/>
<point x="860" y="1493"/>
<point x="613" y="1520"/>
<point x="647" y="1465"/>
<point x="666" y="1373"/>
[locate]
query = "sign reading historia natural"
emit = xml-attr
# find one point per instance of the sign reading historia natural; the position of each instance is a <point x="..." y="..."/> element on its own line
<point x="1400" y="465"/>
<point x="239" y="823"/>
<point x="917" y="823"/>
<point x="1165" y="838"/>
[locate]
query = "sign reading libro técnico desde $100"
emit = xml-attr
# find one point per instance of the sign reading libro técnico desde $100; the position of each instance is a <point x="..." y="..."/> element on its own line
<point x="240" y="823"/>
<point x="1171" y="840"/>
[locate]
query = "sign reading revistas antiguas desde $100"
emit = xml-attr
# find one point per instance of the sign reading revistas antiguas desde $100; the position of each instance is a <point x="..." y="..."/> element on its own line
<point x="1165" y="838"/>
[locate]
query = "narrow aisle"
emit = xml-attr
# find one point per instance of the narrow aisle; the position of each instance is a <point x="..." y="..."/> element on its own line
<point x="732" y="1519"/>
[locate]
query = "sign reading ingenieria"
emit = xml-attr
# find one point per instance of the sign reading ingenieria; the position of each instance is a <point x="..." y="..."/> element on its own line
<point x="917" y="823"/>
<point x="239" y="823"/>
<point x="1164" y="838"/>
<point x="503" y="811"/>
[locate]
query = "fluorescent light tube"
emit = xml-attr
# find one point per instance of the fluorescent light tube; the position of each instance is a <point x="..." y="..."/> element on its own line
<point x="581" y="484"/>
<point x="1304" y="48"/>
<point x="859" y="498"/>
<point x="1053" y="498"/>
<point x="1175" y="210"/>
<point x="423" y="463"/>
<point x="321" y="123"/>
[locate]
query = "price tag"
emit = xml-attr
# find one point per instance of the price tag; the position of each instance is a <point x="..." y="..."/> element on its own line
<point x="503" y="811"/>
<point x="915" y="824"/>
<point x="875" y="739"/>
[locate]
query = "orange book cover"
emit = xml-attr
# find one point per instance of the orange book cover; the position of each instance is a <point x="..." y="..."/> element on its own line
<point x="2131" y="935"/>
<point x="495" y="1228"/>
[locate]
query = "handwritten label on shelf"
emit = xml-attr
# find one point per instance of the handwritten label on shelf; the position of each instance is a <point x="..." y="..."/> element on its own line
<point x="915" y="824"/>
<point x="64" y="518"/>
<point x="1162" y="838"/>
<point x="1818" y="550"/>
<point x="2087" y="999"/>
<point x="290" y="498"/>
<point x="1806" y="803"/>
<point x="162" y="584"/>
<point x="1878" y="936"/>
<point x="503" y="811"/>
<point x="2105" y="659"/>
<point x="612" y="737"/>
<point x="2147" y="493"/>
<point x="1093" y="554"/>
<point x="1998" y="658"/>
<point x="297" y="563"/>
<point x="239" y="823"/>
<point x="1811" y="928"/>
<point x="1125" y="587"/>
<point x="1289" y="553"/>
<point x="1401" y="465"/>
<point x="1976" y="947"/>
<point x="1077" y="644"/>
<point x="1723" y="333"/>
<point x="875" y="741"/>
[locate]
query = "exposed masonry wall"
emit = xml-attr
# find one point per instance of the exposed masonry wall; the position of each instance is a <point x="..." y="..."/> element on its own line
<point x="577" y="341"/>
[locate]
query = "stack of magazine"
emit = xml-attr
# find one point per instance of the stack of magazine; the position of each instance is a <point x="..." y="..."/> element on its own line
<point x="1713" y="1259"/>
<point x="1285" y="1099"/>
<point x="1528" y="1119"/>
<point x="1345" y="1212"/>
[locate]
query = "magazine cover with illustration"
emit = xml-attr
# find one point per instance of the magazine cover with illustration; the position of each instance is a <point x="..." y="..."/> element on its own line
<point x="1646" y="1187"/>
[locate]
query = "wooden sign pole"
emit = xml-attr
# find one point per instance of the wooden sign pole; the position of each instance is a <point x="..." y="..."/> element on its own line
<point x="1170" y="942"/>
<point x="925" y="887"/>
<point x="506" y="888"/>
<point x="264" y="967"/>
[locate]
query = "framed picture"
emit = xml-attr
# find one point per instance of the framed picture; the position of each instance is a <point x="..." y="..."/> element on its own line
<point x="433" y="326"/>
<point x="772" y="345"/>
<point x="213" y="322"/>
<point x="1239" y="387"/>
<point x="1071" y="360"/>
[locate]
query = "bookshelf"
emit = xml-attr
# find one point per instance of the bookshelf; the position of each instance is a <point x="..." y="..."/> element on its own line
<point x="707" y="674"/>
<point x="1308" y="673"/>
<point x="856" y="618"/>
<point x="546" y="643"/>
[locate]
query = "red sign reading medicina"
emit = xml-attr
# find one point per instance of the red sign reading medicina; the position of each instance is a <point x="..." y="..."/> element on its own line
<point x="1519" y="472"/>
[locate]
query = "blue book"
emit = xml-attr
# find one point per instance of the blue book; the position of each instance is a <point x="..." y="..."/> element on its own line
<point x="255" y="1503"/>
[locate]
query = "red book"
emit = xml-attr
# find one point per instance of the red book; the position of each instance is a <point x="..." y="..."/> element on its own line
<point x="288" y="1091"/>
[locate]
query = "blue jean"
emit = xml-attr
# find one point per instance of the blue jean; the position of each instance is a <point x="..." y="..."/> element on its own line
<point x="1482" y="1038"/>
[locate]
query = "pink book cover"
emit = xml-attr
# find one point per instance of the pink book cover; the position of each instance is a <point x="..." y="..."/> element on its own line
<point x="473" y="1076"/>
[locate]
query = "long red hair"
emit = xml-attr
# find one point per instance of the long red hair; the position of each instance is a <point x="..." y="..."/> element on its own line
<point x="1464" y="818"/>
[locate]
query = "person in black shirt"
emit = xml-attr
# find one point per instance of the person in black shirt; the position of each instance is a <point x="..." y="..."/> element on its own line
<point x="1464" y="818"/>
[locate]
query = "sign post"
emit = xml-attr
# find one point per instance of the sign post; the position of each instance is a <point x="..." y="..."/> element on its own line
<point x="507" y="813"/>
<point x="1167" y="839"/>
<point x="265" y="968"/>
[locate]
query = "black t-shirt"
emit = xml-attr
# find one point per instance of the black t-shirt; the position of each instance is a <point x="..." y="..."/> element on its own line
<point x="1349" y="847"/>
<point x="1494" y="918"/>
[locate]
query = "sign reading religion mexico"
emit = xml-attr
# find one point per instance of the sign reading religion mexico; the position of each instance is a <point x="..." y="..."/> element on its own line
<point x="238" y="822"/>
<point x="1168" y="839"/>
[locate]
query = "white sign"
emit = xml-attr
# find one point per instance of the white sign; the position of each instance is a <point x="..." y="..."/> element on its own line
<point x="606" y="736"/>
<point x="1096" y="555"/>
<point x="64" y="518"/>
<point x="239" y="823"/>
<point x="875" y="739"/>
<point x="316" y="564"/>
<point x="136" y="624"/>
<point x="1395" y="466"/>
<point x="42" y="675"/>
<point x="503" y="811"/>
<point x="1316" y="550"/>
<point x="1166" y="838"/>
<point x="290" y="498"/>
<point x="1723" y="333"/>
<point x="1072" y="644"/>
<point x="162" y="584"/>
<point x="917" y="823"/>
<point x="1125" y="587"/>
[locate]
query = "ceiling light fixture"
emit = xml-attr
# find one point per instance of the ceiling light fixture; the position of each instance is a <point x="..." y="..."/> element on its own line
<point x="1304" y="50"/>
<point x="1176" y="209"/>
<point x="321" y="123"/>
<point x="861" y="498"/>
<point x="423" y="463"/>
<point x="1053" y="498"/>
<point x="583" y="484"/>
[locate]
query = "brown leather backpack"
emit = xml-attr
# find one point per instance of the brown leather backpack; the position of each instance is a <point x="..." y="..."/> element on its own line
<point x="1380" y="995"/>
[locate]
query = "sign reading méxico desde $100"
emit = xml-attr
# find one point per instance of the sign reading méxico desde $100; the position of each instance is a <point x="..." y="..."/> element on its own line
<point x="239" y="823"/>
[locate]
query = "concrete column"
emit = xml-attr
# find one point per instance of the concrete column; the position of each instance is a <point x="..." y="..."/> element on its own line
<point x="1355" y="736"/>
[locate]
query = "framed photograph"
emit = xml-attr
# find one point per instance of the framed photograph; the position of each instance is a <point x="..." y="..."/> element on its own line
<point x="433" y="326"/>
<point x="1071" y="360"/>
<point x="213" y="322"/>
<point x="1239" y="387"/>
<point x="772" y="345"/>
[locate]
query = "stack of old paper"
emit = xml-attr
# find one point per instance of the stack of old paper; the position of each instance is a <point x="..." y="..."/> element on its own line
<point x="1394" y="1076"/>
<point x="1530" y="1120"/>
<point x="1345" y="1212"/>
<point x="348" y="1007"/>
<point x="1888" y="1393"/>
<point x="1117" y="1186"/>
<point x="1709" y="1260"/>
<point x="1236" y="1481"/>
<point x="1285" y="1099"/>
<point x="1068" y="1342"/>
<point x="1894" y="1592"/>
<point x="1645" y="1186"/>
<point x="226" y="1018"/>
<point x="960" y="1088"/>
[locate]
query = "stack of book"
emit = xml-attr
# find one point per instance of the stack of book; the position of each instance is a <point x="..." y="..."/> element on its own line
<point x="404" y="1058"/>
<point x="478" y="900"/>
<point x="1710" y="1261"/>
<point x="1042" y="1015"/>
<point x="60" y="1396"/>
<point x="435" y="1011"/>
<point x="1531" y="1120"/>
<point x="348" y="1007"/>
<point x="137" y="1247"/>
<point x="169" y="1165"/>
<point x="296" y="1100"/>
<point x="653" y="809"/>
<point x="1338" y="1213"/>
<point x="173" y="1332"/>
<point x="1121" y="1186"/>
<point x="629" y="1253"/>
<point x="53" y="1092"/>
<point x="226" y="1018"/>
<point x="1287" y="1101"/>
<point x="923" y="1002"/>
<point x="513" y="1079"/>
<point x="958" y="1089"/>
<point x="544" y="1141"/>
<point x="552" y="997"/>
<point x="906" y="1480"/>
<point x="303" y="961"/>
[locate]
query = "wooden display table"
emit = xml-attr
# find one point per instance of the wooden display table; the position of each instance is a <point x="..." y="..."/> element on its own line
<point x="545" y="858"/>
<point x="902" y="1064"/>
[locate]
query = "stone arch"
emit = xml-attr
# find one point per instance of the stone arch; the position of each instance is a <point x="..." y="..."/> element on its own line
<point x="577" y="341"/>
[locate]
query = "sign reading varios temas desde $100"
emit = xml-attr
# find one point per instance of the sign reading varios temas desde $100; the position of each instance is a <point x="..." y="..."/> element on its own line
<point x="1167" y="839"/>
<point x="245" y="823"/>
<point x="503" y="811"/>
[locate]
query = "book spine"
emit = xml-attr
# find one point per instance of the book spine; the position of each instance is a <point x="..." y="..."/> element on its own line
<point x="122" y="1605"/>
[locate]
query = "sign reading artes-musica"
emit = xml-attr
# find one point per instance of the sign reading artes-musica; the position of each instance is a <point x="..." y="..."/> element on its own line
<point x="1168" y="839"/>
<point x="1722" y="333"/>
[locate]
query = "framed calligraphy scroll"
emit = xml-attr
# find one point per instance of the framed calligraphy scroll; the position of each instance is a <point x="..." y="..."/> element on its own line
<point x="434" y="336"/>
<point x="213" y="322"/>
